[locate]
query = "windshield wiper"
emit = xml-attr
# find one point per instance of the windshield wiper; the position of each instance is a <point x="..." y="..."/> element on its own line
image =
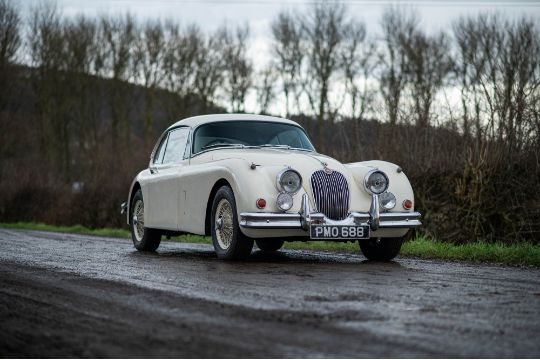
<point x="274" y="145"/>
<point x="301" y="149"/>
<point x="221" y="145"/>
<point x="283" y="146"/>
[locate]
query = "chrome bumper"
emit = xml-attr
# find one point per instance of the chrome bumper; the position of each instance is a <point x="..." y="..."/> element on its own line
<point x="302" y="220"/>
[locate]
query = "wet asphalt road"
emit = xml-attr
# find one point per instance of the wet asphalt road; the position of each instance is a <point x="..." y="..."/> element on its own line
<point x="79" y="296"/>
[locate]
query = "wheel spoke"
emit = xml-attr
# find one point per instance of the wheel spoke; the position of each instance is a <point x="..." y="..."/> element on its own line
<point x="224" y="233"/>
<point x="138" y="220"/>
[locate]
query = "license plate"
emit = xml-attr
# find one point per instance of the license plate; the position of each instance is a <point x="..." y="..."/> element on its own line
<point x="330" y="232"/>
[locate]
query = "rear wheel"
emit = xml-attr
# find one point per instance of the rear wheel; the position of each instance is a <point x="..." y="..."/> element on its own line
<point x="381" y="249"/>
<point x="229" y="241"/>
<point x="144" y="239"/>
<point x="269" y="244"/>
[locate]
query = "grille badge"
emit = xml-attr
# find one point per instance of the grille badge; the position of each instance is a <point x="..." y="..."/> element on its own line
<point x="326" y="169"/>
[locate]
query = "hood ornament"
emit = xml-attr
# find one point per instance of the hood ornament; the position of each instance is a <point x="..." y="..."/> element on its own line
<point x="326" y="169"/>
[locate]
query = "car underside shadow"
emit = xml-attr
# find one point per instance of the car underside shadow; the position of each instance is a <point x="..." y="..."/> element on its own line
<point x="258" y="256"/>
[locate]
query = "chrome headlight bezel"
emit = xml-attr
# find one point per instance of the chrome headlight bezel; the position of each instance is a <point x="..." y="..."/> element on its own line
<point x="279" y="177"/>
<point x="366" y="179"/>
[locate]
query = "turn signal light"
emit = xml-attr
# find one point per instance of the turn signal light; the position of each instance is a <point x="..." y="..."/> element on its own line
<point x="261" y="203"/>
<point x="407" y="204"/>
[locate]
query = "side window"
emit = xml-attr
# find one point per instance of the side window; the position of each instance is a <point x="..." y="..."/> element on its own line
<point x="176" y="146"/>
<point x="158" y="156"/>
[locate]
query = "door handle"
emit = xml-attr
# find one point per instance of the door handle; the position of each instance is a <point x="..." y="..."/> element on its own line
<point x="153" y="170"/>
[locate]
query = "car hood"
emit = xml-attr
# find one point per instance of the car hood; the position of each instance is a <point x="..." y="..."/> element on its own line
<point x="268" y="157"/>
<point x="270" y="161"/>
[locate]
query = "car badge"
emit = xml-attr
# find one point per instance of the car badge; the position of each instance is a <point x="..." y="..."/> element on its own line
<point x="327" y="170"/>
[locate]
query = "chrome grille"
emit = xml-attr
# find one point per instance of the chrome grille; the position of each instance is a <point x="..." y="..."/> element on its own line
<point x="331" y="194"/>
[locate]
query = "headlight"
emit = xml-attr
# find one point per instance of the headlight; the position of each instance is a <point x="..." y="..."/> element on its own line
<point x="289" y="181"/>
<point x="284" y="201"/>
<point x="387" y="200"/>
<point x="376" y="182"/>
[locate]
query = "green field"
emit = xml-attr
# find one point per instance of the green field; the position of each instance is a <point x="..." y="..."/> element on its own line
<point x="523" y="254"/>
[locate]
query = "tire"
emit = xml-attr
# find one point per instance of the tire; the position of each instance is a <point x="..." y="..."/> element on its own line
<point x="144" y="239"/>
<point x="380" y="249"/>
<point x="229" y="241"/>
<point x="269" y="244"/>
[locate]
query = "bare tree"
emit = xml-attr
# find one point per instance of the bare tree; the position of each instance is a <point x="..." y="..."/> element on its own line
<point x="287" y="36"/>
<point x="498" y="68"/>
<point x="323" y="34"/>
<point x="179" y="62"/>
<point x="358" y="62"/>
<point x="46" y="45"/>
<point x="149" y="57"/>
<point x="10" y="41"/>
<point x="209" y="67"/>
<point x="467" y="53"/>
<point x="266" y="91"/>
<point x="238" y="68"/>
<point x="427" y="66"/>
<point x="118" y="40"/>
<point x="398" y="27"/>
<point x="80" y="41"/>
<point x="515" y="81"/>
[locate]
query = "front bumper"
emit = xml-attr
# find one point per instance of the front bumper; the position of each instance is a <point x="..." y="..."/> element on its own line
<point x="302" y="220"/>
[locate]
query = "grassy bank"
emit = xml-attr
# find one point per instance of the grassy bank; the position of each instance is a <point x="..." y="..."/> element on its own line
<point x="524" y="254"/>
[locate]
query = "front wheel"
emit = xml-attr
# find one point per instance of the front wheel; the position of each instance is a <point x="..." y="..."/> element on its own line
<point x="144" y="239"/>
<point x="229" y="241"/>
<point x="381" y="249"/>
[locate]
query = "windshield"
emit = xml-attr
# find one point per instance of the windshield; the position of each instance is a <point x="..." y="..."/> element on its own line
<point x="250" y="133"/>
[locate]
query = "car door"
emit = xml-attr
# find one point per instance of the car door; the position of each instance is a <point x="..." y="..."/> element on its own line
<point x="164" y="184"/>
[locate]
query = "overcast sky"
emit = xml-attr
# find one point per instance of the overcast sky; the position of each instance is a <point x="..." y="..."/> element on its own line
<point x="258" y="14"/>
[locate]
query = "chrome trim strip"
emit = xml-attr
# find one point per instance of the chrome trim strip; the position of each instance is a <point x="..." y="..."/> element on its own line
<point x="270" y="221"/>
<point x="398" y="216"/>
<point x="400" y="224"/>
<point x="303" y="220"/>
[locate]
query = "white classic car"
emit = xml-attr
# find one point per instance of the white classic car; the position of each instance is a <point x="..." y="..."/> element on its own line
<point x="243" y="178"/>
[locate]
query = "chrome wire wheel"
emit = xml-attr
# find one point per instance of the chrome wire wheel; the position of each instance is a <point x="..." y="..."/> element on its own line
<point x="224" y="224"/>
<point x="138" y="220"/>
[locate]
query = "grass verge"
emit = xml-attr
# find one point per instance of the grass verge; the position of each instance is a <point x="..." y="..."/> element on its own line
<point x="75" y="229"/>
<point x="523" y="254"/>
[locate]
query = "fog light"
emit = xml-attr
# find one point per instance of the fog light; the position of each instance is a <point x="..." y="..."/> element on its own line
<point x="261" y="203"/>
<point x="387" y="200"/>
<point x="407" y="204"/>
<point x="284" y="201"/>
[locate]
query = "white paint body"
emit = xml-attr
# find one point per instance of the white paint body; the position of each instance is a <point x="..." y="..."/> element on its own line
<point x="177" y="196"/>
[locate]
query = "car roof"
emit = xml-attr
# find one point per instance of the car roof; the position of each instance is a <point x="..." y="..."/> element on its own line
<point x="195" y="121"/>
